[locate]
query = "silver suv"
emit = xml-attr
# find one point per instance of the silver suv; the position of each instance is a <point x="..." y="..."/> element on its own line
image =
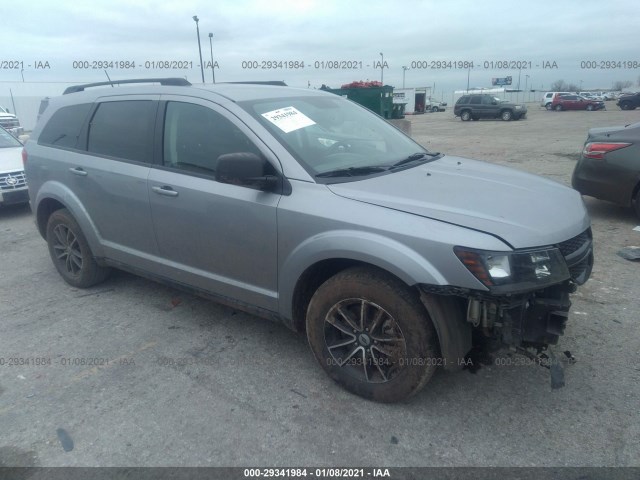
<point x="303" y="206"/>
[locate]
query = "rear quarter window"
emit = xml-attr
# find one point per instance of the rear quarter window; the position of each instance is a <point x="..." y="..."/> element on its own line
<point x="64" y="126"/>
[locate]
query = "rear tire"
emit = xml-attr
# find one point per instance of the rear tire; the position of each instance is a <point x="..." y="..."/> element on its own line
<point x="558" y="108"/>
<point x="636" y="204"/>
<point x="70" y="251"/>
<point x="434" y="109"/>
<point x="372" y="335"/>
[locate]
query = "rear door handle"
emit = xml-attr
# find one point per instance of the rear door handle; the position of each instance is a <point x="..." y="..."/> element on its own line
<point x="78" y="171"/>
<point x="165" y="190"/>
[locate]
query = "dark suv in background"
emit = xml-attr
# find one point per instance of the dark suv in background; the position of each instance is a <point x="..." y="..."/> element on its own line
<point x="475" y="107"/>
<point x="629" y="101"/>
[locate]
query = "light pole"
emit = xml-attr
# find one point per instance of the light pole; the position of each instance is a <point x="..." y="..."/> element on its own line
<point x="382" y="70"/>
<point x="213" y="73"/>
<point x="404" y="70"/>
<point x="195" y="19"/>
<point x="468" y="75"/>
<point x="526" y="79"/>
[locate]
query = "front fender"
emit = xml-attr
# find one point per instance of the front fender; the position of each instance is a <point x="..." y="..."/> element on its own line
<point x="382" y="252"/>
<point x="61" y="193"/>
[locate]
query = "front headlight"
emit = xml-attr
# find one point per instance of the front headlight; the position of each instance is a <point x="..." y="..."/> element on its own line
<point x="504" y="272"/>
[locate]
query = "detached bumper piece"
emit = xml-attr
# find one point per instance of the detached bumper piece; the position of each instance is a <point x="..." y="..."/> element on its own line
<point x="538" y="321"/>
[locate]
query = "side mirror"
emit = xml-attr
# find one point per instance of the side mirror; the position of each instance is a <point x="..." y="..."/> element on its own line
<point x="494" y="102"/>
<point x="246" y="169"/>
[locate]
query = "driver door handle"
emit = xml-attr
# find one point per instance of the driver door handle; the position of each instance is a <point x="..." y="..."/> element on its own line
<point x="165" y="190"/>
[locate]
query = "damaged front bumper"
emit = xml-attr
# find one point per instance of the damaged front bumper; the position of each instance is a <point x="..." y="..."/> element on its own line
<point x="525" y="322"/>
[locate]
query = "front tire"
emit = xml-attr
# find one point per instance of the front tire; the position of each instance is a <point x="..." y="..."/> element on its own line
<point x="590" y="108"/>
<point x="465" y="116"/>
<point x="558" y="108"/>
<point x="625" y="106"/>
<point x="70" y="251"/>
<point x="636" y="204"/>
<point x="372" y="335"/>
<point x="506" y="115"/>
<point x="434" y="109"/>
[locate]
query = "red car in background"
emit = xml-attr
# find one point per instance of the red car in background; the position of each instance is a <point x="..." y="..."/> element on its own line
<point x="575" y="102"/>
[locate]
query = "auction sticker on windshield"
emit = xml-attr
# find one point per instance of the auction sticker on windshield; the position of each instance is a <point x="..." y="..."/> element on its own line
<point x="288" y="119"/>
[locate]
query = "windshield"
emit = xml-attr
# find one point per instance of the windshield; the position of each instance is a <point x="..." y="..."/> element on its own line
<point x="329" y="133"/>
<point x="7" y="140"/>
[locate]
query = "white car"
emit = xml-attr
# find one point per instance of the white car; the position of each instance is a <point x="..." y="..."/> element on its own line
<point x="10" y="122"/>
<point x="592" y="95"/>
<point x="13" y="184"/>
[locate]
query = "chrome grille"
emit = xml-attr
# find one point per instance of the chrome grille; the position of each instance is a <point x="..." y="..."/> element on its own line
<point x="12" y="181"/>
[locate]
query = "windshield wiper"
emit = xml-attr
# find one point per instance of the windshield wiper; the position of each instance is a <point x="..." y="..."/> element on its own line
<point x="414" y="157"/>
<point x="352" y="171"/>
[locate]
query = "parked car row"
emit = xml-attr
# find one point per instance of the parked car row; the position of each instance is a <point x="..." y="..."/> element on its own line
<point x="626" y="101"/>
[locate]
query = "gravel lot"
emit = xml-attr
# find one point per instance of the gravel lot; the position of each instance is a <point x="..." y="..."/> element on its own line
<point x="189" y="382"/>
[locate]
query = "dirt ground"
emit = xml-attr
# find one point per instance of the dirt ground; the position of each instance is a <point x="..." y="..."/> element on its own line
<point x="189" y="382"/>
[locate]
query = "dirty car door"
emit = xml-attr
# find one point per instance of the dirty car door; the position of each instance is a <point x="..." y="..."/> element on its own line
<point x="216" y="236"/>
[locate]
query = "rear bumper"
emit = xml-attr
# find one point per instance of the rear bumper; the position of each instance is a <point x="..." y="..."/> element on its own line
<point x="602" y="180"/>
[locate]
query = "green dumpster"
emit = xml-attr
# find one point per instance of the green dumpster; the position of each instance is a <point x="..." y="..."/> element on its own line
<point x="377" y="99"/>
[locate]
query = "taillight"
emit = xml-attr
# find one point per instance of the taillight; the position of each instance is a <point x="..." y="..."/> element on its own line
<point x="24" y="157"/>
<point x="598" y="150"/>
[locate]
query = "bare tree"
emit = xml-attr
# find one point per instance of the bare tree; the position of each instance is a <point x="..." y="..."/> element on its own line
<point x="622" y="84"/>
<point x="559" y="86"/>
<point x="562" y="86"/>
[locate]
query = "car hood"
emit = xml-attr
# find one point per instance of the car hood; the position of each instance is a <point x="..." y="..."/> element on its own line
<point x="522" y="209"/>
<point x="11" y="159"/>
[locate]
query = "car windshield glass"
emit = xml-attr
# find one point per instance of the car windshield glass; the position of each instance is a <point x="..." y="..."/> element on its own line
<point x="7" y="140"/>
<point x="330" y="134"/>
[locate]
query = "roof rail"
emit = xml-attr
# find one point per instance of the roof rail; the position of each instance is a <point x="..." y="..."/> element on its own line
<point x="279" y="83"/>
<point x="162" y="81"/>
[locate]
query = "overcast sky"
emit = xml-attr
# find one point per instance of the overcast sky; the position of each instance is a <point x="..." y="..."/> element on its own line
<point x="407" y="32"/>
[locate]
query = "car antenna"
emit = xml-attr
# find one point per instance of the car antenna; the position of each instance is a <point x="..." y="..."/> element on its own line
<point x="105" y="72"/>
